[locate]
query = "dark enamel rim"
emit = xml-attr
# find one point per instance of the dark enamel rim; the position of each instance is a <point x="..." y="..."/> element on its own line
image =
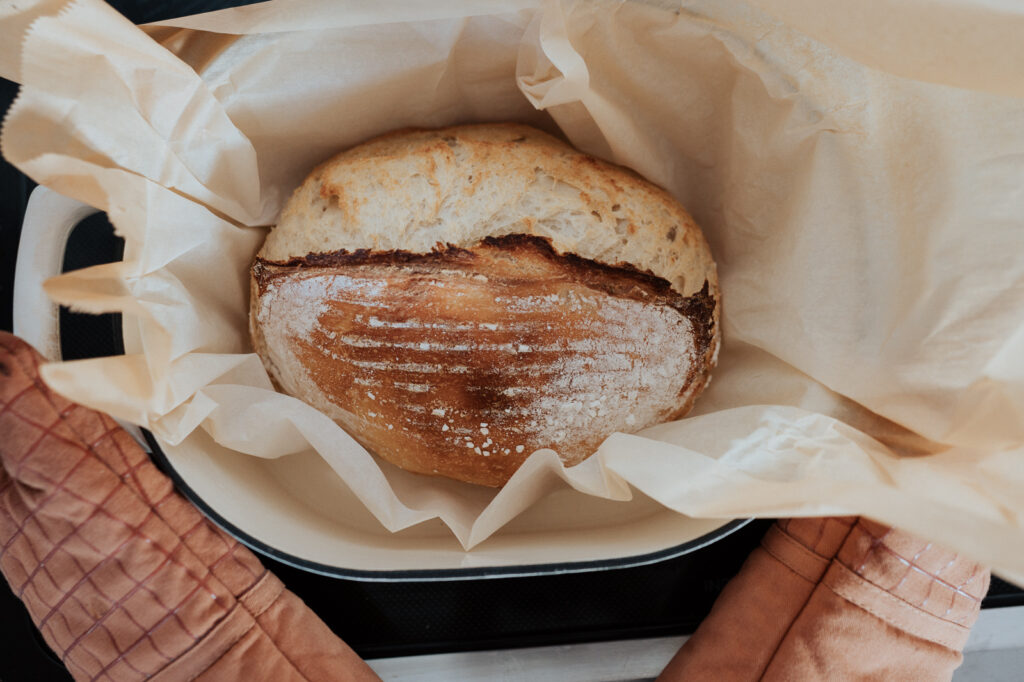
<point x="427" y="575"/>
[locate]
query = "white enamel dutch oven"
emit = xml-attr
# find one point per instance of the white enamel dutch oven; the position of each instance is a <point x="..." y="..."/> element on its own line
<point x="296" y="510"/>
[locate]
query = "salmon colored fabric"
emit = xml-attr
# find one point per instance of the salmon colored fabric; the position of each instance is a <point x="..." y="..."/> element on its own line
<point x="838" y="599"/>
<point x="124" y="578"/>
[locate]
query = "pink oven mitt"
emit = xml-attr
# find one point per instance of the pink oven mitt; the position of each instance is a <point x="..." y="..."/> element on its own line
<point x="838" y="599"/>
<point x="125" y="579"/>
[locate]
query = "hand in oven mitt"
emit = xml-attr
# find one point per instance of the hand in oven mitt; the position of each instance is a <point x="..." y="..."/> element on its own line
<point x="838" y="599"/>
<point x="125" y="579"/>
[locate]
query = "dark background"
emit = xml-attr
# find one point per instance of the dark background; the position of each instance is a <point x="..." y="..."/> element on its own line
<point x="387" y="619"/>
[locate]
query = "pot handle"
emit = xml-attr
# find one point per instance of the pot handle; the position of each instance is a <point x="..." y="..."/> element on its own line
<point x="49" y="219"/>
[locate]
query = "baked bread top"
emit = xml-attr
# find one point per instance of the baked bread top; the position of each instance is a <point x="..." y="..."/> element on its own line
<point x="412" y="190"/>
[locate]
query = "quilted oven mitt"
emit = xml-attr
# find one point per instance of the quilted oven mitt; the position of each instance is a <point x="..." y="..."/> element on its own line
<point x="125" y="579"/>
<point x="838" y="599"/>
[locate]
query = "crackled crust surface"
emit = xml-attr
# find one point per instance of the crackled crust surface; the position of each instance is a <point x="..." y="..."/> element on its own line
<point x="411" y="190"/>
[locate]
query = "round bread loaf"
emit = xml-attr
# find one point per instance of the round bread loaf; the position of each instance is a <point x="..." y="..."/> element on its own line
<point x="459" y="298"/>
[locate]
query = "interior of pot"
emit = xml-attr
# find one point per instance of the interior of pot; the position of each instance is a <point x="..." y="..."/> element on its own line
<point x="297" y="510"/>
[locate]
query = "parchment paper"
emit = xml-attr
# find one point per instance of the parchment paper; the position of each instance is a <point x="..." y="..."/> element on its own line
<point x="862" y="189"/>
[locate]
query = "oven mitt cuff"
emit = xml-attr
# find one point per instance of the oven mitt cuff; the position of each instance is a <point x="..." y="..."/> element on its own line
<point x="890" y="606"/>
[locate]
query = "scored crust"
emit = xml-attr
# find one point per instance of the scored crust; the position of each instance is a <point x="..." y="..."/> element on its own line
<point x="462" y="362"/>
<point x="458" y="298"/>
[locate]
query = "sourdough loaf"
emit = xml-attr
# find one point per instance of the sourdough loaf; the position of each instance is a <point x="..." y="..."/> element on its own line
<point x="459" y="298"/>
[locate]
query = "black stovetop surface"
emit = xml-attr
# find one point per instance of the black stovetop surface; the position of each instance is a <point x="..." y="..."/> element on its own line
<point x="393" y="619"/>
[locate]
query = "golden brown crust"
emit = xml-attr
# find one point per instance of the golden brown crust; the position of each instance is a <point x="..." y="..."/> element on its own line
<point x="463" y="361"/>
